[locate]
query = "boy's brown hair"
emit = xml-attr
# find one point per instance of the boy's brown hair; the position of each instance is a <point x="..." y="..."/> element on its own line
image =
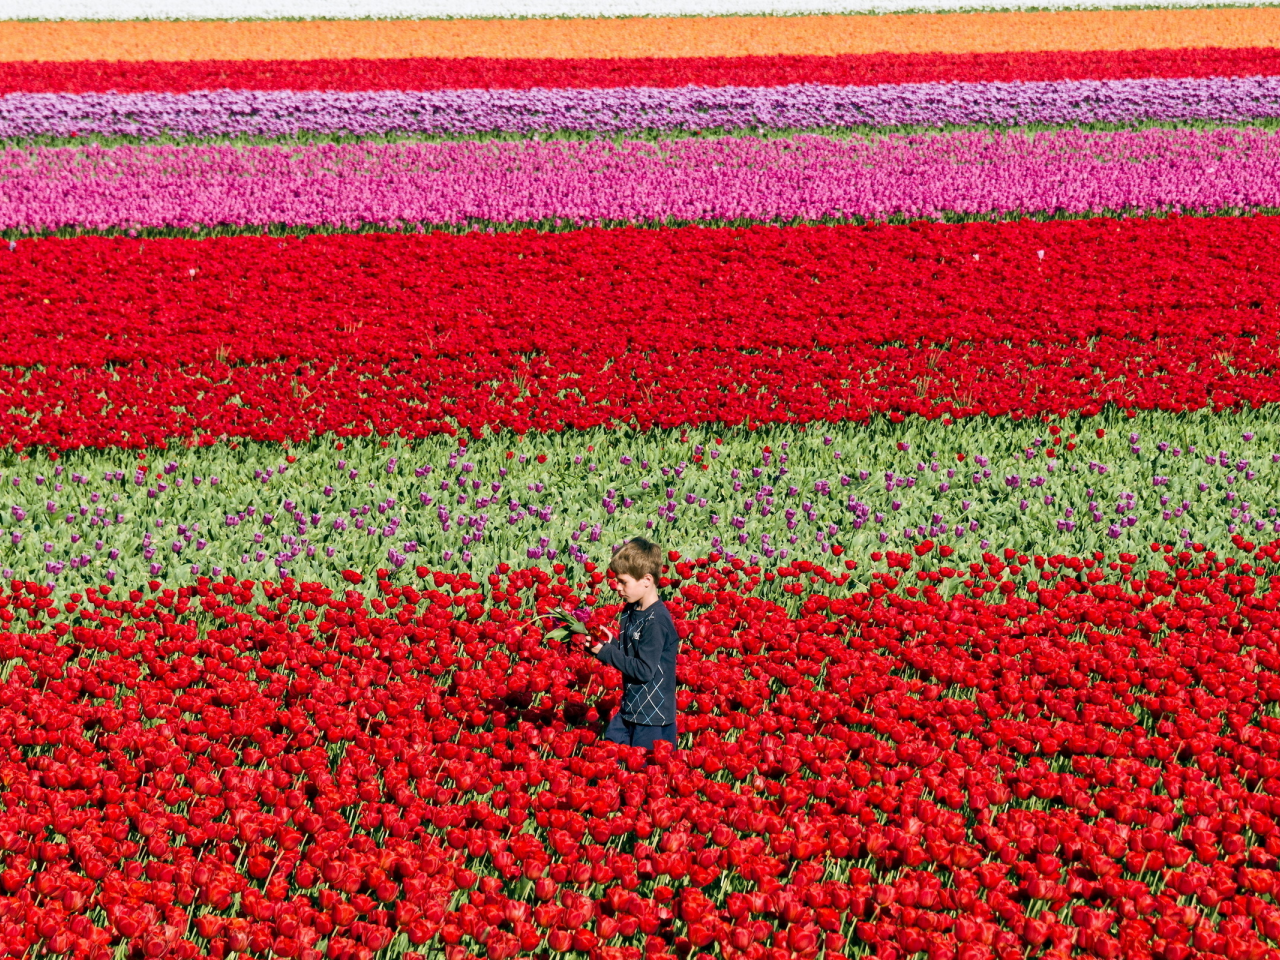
<point x="637" y="558"/>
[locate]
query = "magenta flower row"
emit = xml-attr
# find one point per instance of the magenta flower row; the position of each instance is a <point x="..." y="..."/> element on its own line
<point x="807" y="176"/>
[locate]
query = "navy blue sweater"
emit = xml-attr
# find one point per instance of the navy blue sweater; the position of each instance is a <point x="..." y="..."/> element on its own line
<point x="645" y="652"/>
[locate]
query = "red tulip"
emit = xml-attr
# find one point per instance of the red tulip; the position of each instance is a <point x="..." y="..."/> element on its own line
<point x="560" y="940"/>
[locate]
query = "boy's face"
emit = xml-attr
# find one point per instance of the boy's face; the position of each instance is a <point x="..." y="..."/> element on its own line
<point x="630" y="589"/>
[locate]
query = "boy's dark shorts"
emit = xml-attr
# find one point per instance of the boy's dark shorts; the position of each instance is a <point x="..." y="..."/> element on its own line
<point x="638" y="734"/>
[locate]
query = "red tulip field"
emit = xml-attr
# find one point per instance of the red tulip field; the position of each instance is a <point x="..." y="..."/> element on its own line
<point x="1063" y="753"/>
<point x="279" y="339"/>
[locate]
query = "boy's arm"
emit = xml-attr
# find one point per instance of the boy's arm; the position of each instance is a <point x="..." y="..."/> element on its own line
<point x="639" y="669"/>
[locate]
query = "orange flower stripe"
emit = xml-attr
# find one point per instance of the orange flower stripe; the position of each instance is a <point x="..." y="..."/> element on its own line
<point x="641" y="37"/>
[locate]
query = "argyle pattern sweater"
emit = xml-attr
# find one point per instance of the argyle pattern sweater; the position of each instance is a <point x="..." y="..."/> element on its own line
<point x="645" y="653"/>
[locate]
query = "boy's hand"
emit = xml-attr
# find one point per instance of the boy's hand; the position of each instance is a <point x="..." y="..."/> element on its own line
<point x="602" y="636"/>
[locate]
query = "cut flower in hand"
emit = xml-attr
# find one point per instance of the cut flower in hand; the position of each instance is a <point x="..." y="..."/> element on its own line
<point x="575" y="627"/>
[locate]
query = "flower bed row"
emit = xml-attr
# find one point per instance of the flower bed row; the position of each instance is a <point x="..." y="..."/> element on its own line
<point x="463" y="73"/>
<point x="315" y="9"/>
<point x="1063" y="756"/>
<point x="284" y="113"/>
<point x="256" y="39"/>
<point x="832" y="494"/>
<point x="805" y="177"/>
<point x="274" y="338"/>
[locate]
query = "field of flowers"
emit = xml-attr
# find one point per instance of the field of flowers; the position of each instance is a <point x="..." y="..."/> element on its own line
<point x="939" y="351"/>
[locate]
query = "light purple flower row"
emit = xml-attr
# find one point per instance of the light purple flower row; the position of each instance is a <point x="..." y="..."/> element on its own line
<point x="278" y="113"/>
<point x="807" y="176"/>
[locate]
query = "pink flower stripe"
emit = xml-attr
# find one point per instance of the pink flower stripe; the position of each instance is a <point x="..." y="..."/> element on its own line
<point x="516" y="74"/>
<point x="806" y="177"/>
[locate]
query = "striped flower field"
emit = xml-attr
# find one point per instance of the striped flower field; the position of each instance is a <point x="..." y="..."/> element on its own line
<point x="939" y="351"/>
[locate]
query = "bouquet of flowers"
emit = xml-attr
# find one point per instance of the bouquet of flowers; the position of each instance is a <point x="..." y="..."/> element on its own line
<point x="575" y="627"/>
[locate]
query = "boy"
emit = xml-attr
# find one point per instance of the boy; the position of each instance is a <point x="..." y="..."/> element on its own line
<point x="644" y="650"/>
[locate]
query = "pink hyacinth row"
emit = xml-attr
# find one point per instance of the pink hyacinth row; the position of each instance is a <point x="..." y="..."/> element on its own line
<point x="806" y="177"/>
